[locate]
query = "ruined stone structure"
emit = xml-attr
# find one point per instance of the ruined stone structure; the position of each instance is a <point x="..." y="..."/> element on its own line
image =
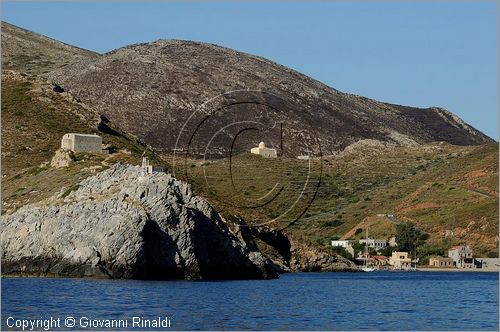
<point x="82" y="142"/>
<point x="264" y="152"/>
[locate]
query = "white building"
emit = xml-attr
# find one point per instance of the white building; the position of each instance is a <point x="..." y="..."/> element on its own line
<point x="264" y="152"/>
<point x="347" y="244"/>
<point x="341" y="243"/>
<point x="462" y="257"/>
<point x="374" y="243"/>
<point x="81" y="142"/>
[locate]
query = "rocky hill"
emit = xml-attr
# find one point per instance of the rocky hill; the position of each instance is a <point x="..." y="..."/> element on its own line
<point x="31" y="53"/>
<point x="390" y="164"/>
<point x="123" y="224"/>
<point x="151" y="90"/>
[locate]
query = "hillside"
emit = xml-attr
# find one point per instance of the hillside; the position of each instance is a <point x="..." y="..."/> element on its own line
<point x="31" y="53"/>
<point x="153" y="90"/>
<point x="375" y="164"/>
<point x="449" y="192"/>
<point x="34" y="118"/>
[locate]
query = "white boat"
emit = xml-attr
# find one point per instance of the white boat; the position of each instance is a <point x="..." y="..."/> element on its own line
<point x="365" y="267"/>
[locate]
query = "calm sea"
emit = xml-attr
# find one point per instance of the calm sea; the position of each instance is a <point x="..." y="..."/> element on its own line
<point x="306" y="301"/>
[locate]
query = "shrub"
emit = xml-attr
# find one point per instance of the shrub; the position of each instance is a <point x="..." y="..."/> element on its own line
<point x="342" y="252"/>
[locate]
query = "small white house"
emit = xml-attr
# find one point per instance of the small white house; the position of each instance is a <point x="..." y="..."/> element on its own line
<point x="263" y="151"/>
<point x="81" y="142"/>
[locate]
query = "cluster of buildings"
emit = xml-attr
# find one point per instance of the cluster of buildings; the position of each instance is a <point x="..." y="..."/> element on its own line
<point x="398" y="260"/>
<point x="376" y="244"/>
<point x="458" y="256"/>
<point x="92" y="143"/>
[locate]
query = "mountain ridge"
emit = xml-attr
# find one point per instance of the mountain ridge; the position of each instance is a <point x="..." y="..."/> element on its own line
<point x="164" y="82"/>
<point x="34" y="53"/>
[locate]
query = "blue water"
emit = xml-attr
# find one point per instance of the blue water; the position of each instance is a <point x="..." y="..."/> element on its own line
<point x="301" y="301"/>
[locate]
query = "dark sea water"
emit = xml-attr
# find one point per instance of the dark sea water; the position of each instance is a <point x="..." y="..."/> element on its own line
<point x="305" y="301"/>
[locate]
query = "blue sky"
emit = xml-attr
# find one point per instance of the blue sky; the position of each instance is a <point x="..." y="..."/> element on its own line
<point x="419" y="54"/>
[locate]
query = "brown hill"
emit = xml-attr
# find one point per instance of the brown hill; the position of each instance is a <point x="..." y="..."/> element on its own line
<point x="29" y="52"/>
<point x="151" y="90"/>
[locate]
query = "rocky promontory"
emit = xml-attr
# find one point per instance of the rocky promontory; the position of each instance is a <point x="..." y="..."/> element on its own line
<point x="122" y="223"/>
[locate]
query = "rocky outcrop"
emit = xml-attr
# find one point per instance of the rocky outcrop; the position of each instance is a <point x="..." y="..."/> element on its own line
<point x="309" y="259"/>
<point x="289" y="255"/>
<point x="62" y="158"/>
<point x="121" y="223"/>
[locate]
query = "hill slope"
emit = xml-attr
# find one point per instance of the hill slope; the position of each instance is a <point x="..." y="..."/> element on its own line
<point x="29" y="52"/>
<point x="449" y="192"/>
<point x="151" y="90"/>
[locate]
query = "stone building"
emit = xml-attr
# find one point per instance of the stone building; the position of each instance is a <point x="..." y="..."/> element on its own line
<point x="440" y="262"/>
<point x="380" y="260"/>
<point x="400" y="260"/>
<point x="263" y="151"/>
<point x="377" y="244"/>
<point x="81" y="142"/>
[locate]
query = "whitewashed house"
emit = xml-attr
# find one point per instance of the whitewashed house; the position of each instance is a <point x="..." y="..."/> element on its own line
<point x="264" y="151"/>
<point x="462" y="257"/>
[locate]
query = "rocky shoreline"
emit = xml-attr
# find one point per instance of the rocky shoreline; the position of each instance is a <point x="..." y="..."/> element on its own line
<point x="123" y="223"/>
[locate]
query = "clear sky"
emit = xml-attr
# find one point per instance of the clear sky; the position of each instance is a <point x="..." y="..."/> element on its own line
<point x="419" y="54"/>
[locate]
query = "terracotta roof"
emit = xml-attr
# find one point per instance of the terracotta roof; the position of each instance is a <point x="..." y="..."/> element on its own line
<point x="380" y="257"/>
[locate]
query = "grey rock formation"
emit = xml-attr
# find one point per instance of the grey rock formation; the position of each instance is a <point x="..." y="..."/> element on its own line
<point x="309" y="259"/>
<point x="290" y="255"/>
<point x="121" y="223"/>
<point x="62" y="158"/>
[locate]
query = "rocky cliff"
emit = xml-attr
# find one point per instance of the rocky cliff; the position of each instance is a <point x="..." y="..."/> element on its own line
<point x="121" y="223"/>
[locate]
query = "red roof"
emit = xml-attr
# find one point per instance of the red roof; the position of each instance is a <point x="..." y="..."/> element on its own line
<point x="380" y="257"/>
<point x="457" y="247"/>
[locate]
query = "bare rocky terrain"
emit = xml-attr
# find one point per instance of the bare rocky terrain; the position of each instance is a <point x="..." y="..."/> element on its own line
<point x="121" y="223"/>
<point x="152" y="90"/>
<point x="32" y="53"/>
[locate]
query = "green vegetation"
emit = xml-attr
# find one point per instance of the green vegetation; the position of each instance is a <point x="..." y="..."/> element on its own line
<point x="33" y="121"/>
<point x="448" y="192"/>
<point x="342" y="252"/>
<point x="439" y="198"/>
<point x="409" y="237"/>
